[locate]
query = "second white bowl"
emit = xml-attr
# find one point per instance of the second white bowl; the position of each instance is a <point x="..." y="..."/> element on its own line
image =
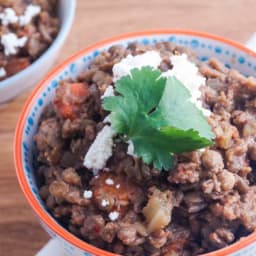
<point x="13" y="86"/>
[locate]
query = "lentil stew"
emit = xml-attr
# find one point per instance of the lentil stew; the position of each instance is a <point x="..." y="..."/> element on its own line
<point x="206" y="202"/>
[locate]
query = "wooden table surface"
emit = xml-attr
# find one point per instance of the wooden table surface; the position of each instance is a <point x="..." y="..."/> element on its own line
<point x="20" y="233"/>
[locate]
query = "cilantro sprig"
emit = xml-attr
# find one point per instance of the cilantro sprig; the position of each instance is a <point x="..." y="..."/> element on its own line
<point x="156" y="114"/>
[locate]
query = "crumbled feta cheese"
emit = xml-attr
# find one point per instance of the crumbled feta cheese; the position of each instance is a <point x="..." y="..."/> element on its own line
<point x="88" y="194"/>
<point x="187" y="72"/>
<point x="130" y="149"/>
<point x="108" y="92"/>
<point x="30" y="12"/>
<point x="100" y="150"/>
<point x="106" y="169"/>
<point x="2" y="72"/>
<point x="118" y="186"/>
<point x="107" y="119"/>
<point x="11" y="43"/>
<point x="109" y="182"/>
<point x="8" y="16"/>
<point x="123" y="68"/>
<point x="104" y="203"/>
<point x="113" y="215"/>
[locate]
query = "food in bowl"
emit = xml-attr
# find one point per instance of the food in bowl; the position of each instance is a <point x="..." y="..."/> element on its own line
<point x="27" y="29"/>
<point x="106" y="174"/>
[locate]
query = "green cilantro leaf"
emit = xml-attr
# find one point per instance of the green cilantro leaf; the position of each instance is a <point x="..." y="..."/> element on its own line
<point x="142" y="92"/>
<point x="176" y="109"/>
<point x="156" y="114"/>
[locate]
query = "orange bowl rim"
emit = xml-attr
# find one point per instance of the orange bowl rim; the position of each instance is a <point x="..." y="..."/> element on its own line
<point x="41" y="213"/>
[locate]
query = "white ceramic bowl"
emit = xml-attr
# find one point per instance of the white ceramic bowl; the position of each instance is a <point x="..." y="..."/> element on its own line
<point x="14" y="85"/>
<point x="204" y="45"/>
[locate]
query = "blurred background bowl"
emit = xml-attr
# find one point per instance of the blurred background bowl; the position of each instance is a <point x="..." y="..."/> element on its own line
<point x="16" y="84"/>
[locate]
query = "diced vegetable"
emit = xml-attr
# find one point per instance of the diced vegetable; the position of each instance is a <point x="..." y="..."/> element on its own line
<point x="69" y="98"/>
<point x="16" y="65"/>
<point x="112" y="193"/>
<point x="158" y="210"/>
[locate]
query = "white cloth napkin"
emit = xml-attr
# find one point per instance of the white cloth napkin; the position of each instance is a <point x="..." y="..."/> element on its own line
<point x="52" y="248"/>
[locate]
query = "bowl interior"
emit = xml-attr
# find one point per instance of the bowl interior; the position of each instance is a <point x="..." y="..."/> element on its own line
<point x="203" y="46"/>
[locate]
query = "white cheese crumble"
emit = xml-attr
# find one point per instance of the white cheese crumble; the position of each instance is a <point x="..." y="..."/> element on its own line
<point x="2" y="72"/>
<point x="30" y="12"/>
<point x="118" y="186"/>
<point x="104" y="203"/>
<point x="187" y="73"/>
<point x="113" y="215"/>
<point x="123" y="68"/>
<point x="88" y="194"/>
<point x="11" y="43"/>
<point x="109" y="182"/>
<point x="100" y="150"/>
<point x="130" y="149"/>
<point x="106" y="169"/>
<point x="108" y="92"/>
<point x="8" y="16"/>
<point x="107" y="119"/>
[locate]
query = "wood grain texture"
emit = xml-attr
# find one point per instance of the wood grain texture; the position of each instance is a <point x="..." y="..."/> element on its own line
<point x="20" y="233"/>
